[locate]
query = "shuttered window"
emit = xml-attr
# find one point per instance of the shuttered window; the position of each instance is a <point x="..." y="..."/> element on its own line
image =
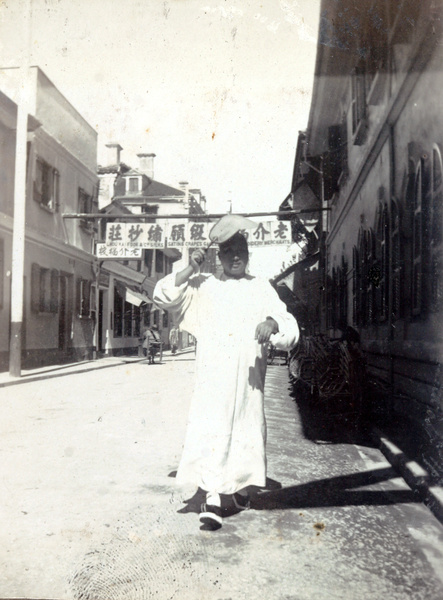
<point x="436" y="249"/>
<point x="417" y="241"/>
<point x="382" y="264"/>
<point x="396" y="262"/>
<point x="83" y="298"/>
<point x="118" y="312"/>
<point x="343" y="293"/>
<point x="44" y="289"/>
<point x="46" y="185"/>
<point x="356" y="287"/>
<point x="372" y="276"/>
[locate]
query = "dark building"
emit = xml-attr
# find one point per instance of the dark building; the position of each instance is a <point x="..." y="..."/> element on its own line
<point x="372" y="153"/>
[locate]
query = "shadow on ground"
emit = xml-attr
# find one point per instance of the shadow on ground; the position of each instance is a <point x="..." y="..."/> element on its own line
<point x="332" y="492"/>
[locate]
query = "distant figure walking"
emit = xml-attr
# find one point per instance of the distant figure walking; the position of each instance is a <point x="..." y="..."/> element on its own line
<point x="151" y="343"/>
<point x="173" y="339"/>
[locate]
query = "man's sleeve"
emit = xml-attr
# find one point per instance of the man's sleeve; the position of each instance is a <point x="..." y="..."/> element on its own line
<point x="288" y="331"/>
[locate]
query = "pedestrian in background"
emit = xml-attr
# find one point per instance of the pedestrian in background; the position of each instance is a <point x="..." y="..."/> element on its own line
<point x="233" y="317"/>
<point x="173" y="339"/>
<point x="151" y="343"/>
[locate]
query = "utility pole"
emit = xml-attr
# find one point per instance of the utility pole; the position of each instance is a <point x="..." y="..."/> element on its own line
<point x="18" y="235"/>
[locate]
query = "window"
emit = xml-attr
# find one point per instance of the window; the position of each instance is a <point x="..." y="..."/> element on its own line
<point x="133" y="184"/>
<point x="127" y="319"/>
<point x="53" y="303"/>
<point x="44" y="289"/>
<point x="436" y="241"/>
<point x="396" y="268"/>
<point x="118" y="312"/>
<point x="330" y="300"/>
<point x="356" y="287"/>
<point x="148" y="260"/>
<point x="165" y="319"/>
<point x="333" y="299"/>
<point x="381" y="266"/>
<point x="371" y="277"/>
<point x="93" y="301"/>
<point x="46" y="185"/>
<point x="83" y="298"/>
<point x="359" y="108"/>
<point x="86" y="204"/>
<point x="417" y="241"/>
<point x="136" y="319"/>
<point x="343" y="294"/>
<point x="127" y="316"/>
<point x="362" y="274"/>
<point x="159" y="261"/>
<point x="338" y="152"/>
<point x="366" y="278"/>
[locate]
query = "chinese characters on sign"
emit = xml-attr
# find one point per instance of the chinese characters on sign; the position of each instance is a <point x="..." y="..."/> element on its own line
<point x="104" y="251"/>
<point x="186" y="234"/>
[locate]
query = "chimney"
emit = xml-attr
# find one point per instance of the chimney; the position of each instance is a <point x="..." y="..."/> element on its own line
<point x="112" y="154"/>
<point x="184" y="186"/>
<point x="146" y="164"/>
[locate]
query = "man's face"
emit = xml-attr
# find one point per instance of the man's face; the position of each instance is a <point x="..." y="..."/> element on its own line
<point x="234" y="257"/>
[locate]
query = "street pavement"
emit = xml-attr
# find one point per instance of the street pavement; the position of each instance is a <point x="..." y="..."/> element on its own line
<point x="90" y="509"/>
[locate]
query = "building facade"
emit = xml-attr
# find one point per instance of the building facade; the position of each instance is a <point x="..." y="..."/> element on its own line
<point x="59" y="311"/>
<point x="126" y="287"/>
<point x="373" y="148"/>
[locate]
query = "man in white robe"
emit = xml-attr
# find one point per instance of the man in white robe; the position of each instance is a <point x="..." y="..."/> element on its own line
<point x="233" y="318"/>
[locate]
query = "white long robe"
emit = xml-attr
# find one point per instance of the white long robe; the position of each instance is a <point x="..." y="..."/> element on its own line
<point x="224" y="449"/>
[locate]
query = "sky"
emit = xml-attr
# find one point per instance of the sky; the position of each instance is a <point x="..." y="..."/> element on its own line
<point x="218" y="90"/>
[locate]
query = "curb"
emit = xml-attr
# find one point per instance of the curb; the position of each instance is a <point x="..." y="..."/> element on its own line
<point x="71" y="369"/>
<point x="414" y="474"/>
<point x="50" y="375"/>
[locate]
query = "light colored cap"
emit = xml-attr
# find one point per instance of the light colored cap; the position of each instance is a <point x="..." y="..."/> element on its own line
<point x="228" y="226"/>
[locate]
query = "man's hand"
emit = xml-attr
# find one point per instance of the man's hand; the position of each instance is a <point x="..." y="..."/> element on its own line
<point x="197" y="258"/>
<point x="265" y="329"/>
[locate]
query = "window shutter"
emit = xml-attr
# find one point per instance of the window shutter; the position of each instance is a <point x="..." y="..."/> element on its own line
<point x="35" y="288"/>
<point x="395" y="261"/>
<point x="369" y="274"/>
<point x="79" y="298"/>
<point x="86" y="298"/>
<point x="417" y="243"/>
<point x="355" y="284"/>
<point x="54" y="291"/>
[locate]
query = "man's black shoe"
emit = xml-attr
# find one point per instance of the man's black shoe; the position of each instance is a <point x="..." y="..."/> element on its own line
<point x="211" y="516"/>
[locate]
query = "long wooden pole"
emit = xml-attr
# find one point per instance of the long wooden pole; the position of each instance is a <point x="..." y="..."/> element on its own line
<point x="151" y="217"/>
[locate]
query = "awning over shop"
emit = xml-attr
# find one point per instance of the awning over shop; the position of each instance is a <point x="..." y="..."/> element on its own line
<point x="136" y="298"/>
<point x="132" y="294"/>
<point x="172" y="253"/>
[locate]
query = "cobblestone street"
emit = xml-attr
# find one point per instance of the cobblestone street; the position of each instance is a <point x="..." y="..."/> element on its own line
<point x="91" y="511"/>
